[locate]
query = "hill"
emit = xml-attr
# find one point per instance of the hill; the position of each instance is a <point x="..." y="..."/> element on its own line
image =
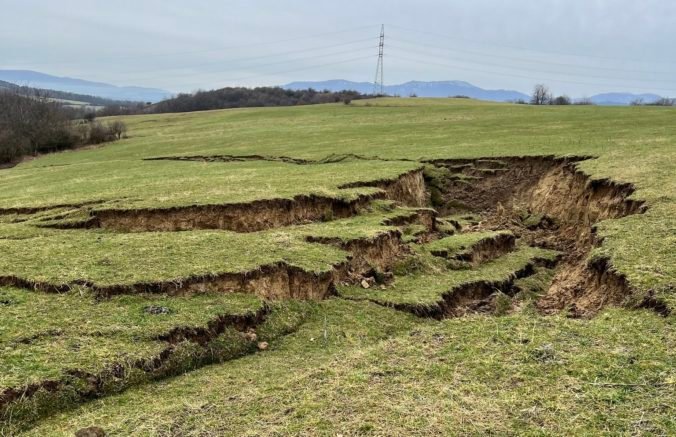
<point x="35" y="79"/>
<point x="460" y="88"/>
<point x="421" y="89"/>
<point x="623" y="98"/>
<point x="67" y="99"/>
<point x="387" y="267"/>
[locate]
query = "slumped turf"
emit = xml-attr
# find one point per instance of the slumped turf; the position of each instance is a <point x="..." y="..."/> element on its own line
<point x="43" y="335"/>
<point x="459" y="244"/>
<point x="426" y="289"/>
<point x="140" y="184"/>
<point x="359" y="368"/>
<point x="353" y="367"/>
<point x="105" y="258"/>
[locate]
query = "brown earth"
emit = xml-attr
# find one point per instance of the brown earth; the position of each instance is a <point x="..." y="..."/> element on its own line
<point x="407" y="189"/>
<point x="569" y="204"/>
<point x="78" y="385"/>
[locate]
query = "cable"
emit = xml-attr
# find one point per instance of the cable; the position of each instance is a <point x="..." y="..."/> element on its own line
<point x="179" y="75"/>
<point x="518" y="48"/>
<point x="253" y="58"/>
<point x="286" y="71"/>
<point x="540" y="70"/>
<point x="155" y="55"/>
<point x="530" y="60"/>
<point x="523" y="76"/>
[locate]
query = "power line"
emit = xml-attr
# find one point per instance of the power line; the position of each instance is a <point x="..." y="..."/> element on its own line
<point x="455" y="67"/>
<point x="531" y="61"/>
<point x="219" y="49"/>
<point x="378" y="83"/>
<point x="258" y="66"/>
<point x="254" y="58"/>
<point x="502" y="46"/>
<point x="422" y="52"/>
<point x="309" y="67"/>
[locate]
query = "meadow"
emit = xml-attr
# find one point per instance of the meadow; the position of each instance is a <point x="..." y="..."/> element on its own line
<point x="367" y="299"/>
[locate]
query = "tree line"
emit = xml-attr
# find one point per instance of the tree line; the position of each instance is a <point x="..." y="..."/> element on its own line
<point x="542" y="96"/>
<point x="237" y="97"/>
<point x="31" y="124"/>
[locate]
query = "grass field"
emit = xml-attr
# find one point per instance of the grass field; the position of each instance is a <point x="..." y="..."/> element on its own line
<point x="370" y="358"/>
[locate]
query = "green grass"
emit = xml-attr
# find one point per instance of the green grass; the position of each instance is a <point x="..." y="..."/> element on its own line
<point x="426" y="289"/>
<point x="353" y="367"/>
<point x="359" y="369"/>
<point x="633" y="144"/>
<point x="40" y="341"/>
<point x="107" y="258"/>
<point x="461" y="243"/>
<point x="165" y="184"/>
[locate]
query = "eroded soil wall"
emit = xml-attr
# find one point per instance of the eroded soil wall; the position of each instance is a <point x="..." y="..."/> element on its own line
<point x="408" y="189"/>
<point x="569" y="202"/>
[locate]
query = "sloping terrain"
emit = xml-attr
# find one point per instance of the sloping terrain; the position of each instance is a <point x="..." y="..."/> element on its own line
<point x="484" y="267"/>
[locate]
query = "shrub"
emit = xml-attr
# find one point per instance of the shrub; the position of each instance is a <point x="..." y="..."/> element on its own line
<point x="99" y="133"/>
<point x="30" y="124"/>
<point x="664" y="102"/>
<point x="118" y="129"/>
<point x="561" y="100"/>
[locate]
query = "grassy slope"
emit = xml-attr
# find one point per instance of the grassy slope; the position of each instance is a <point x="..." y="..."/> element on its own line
<point x="633" y="144"/>
<point x="356" y="367"/>
<point x="359" y="369"/>
<point x="39" y="338"/>
<point x="165" y="184"/>
<point x="110" y="258"/>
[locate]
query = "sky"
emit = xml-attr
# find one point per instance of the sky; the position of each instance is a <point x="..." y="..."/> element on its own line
<point x="576" y="47"/>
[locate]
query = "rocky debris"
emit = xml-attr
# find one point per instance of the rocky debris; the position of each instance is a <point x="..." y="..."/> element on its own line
<point x="250" y="335"/>
<point x="92" y="431"/>
<point x="156" y="310"/>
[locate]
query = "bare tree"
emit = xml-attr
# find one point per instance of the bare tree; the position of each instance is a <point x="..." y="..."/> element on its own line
<point x="31" y="123"/>
<point x="541" y="95"/>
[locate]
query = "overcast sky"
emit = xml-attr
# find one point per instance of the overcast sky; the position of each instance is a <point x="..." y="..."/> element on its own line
<point x="578" y="47"/>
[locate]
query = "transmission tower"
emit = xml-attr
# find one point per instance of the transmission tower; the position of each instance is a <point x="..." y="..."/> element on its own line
<point x="378" y="84"/>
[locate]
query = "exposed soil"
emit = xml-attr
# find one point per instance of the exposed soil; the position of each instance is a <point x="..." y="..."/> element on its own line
<point x="470" y="297"/>
<point x="85" y="385"/>
<point x="543" y="201"/>
<point x="408" y="189"/>
<point x="484" y="250"/>
<point x="272" y="282"/>
<point x="547" y="202"/>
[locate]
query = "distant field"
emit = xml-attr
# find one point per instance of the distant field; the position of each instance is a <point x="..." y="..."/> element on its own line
<point x="388" y="267"/>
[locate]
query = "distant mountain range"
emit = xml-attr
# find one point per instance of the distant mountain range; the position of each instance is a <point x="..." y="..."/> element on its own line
<point x="68" y="99"/>
<point x="421" y="89"/>
<point x="458" y="88"/>
<point x="623" y="98"/>
<point x="448" y="88"/>
<point x="35" y="79"/>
